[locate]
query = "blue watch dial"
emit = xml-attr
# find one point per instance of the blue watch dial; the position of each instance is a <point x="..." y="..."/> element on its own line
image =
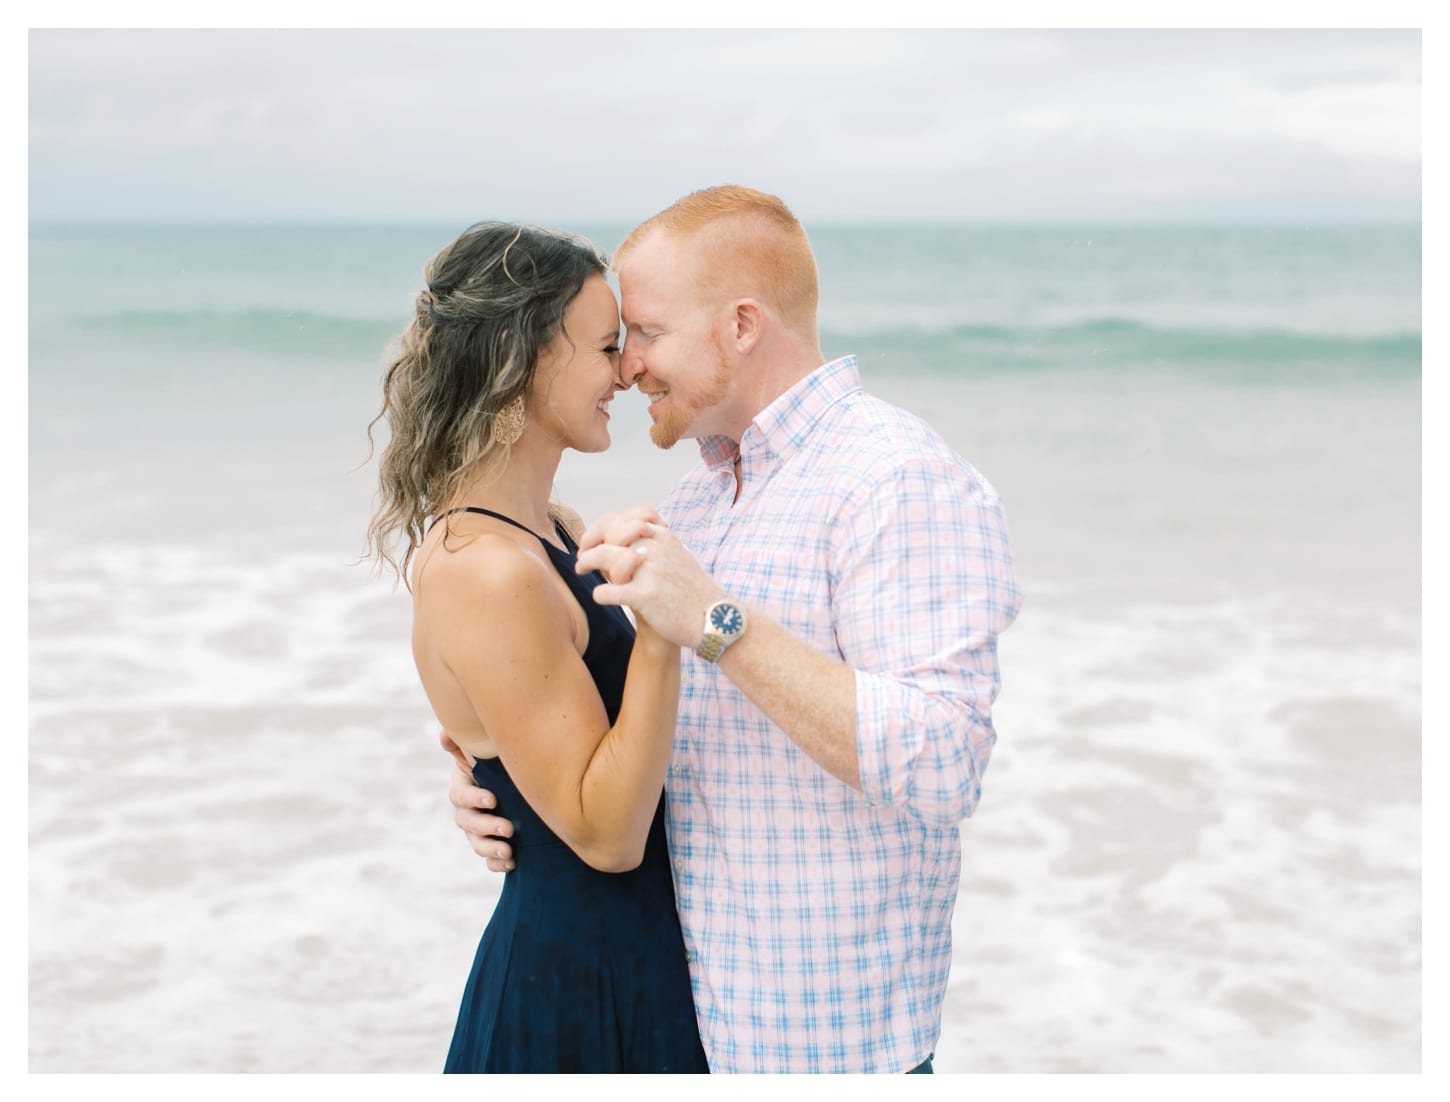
<point x="725" y="619"/>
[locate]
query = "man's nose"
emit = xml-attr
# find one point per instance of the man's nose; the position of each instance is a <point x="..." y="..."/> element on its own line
<point x="631" y="364"/>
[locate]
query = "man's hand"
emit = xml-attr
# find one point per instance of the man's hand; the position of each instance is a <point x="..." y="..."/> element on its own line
<point x="471" y="804"/>
<point x="649" y="570"/>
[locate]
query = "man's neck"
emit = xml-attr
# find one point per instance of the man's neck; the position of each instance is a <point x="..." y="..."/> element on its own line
<point x="775" y="376"/>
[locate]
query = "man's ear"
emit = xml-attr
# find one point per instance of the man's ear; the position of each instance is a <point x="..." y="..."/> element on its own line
<point x="747" y="325"/>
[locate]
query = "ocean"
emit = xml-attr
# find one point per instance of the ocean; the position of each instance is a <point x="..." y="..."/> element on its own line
<point x="1199" y="842"/>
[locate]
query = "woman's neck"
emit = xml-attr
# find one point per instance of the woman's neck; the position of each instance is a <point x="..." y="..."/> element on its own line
<point x="521" y="491"/>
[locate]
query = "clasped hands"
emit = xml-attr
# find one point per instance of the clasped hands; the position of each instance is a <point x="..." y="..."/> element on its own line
<point x="646" y="568"/>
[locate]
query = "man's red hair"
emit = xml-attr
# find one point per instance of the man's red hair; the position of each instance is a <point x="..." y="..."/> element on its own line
<point x="752" y="246"/>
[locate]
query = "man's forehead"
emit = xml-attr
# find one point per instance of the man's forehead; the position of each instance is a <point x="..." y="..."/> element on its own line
<point x="648" y="271"/>
<point x="648" y="255"/>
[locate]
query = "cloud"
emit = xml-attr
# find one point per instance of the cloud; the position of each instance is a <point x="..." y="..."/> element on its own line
<point x="1043" y="119"/>
<point x="612" y="125"/>
<point x="1371" y="119"/>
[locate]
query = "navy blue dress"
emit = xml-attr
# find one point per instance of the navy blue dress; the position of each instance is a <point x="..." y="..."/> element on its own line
<point x="578" y="970"/>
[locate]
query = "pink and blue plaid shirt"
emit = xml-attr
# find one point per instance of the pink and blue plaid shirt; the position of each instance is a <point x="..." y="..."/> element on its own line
<point x="817" y="918"/>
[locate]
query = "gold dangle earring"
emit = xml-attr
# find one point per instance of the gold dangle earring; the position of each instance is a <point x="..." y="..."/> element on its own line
<point x="509" y="422"/>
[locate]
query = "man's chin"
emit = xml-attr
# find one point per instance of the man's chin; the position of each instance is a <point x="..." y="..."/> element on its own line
<point x="663" y="437"/>
<point x="666" y="433"/>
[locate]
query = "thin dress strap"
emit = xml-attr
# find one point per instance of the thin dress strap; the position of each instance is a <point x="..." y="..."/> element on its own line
<point x="507" y="520"/>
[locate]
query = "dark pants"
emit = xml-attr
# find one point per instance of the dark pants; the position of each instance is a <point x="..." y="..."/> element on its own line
<point x="923" y="1068"/>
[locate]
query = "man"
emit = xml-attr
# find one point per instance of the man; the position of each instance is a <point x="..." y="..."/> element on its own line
<point x="841" y="575"/>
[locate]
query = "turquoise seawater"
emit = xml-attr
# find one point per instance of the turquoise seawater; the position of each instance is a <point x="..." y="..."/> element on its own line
<point x="1137" y="394"/>
<point x="952" y="299"/>
<point x="1198" y="847"/>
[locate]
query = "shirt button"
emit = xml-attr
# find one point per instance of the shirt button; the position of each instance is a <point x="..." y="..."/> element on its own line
<point x="689" y="956"/>
<point x="680" y="863"/>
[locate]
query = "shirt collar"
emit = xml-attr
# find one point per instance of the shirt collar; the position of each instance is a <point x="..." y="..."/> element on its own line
<point x="780" y="427"/>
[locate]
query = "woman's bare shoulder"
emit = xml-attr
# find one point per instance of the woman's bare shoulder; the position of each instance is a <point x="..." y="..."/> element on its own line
<point x="482" y="567"/>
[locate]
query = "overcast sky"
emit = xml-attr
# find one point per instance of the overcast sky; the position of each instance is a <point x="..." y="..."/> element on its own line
<point x="578" y="127"/>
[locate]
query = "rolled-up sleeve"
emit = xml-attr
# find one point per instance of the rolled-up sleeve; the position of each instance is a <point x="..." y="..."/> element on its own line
<point x="924" y="585"/>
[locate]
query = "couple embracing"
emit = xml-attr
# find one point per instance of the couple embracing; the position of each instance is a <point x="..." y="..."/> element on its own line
<point x="744" y="859"/>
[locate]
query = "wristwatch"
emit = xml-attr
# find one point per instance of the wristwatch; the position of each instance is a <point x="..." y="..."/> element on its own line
<point x="724" y="623"/>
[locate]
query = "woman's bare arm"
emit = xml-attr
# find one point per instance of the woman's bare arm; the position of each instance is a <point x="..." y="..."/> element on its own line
<point x="502" y="627"/>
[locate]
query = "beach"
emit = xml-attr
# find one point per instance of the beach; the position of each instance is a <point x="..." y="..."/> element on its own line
<point x="1198" y="847"/>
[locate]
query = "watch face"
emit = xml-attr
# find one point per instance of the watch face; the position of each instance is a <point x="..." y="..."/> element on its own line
<point x="725" y="618"/>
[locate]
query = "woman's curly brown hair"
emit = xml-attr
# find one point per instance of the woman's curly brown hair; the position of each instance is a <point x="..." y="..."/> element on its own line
<point x="495" y="299"/>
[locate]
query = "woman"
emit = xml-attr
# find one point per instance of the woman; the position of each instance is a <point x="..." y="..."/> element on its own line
<point x="566" y="713"/>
